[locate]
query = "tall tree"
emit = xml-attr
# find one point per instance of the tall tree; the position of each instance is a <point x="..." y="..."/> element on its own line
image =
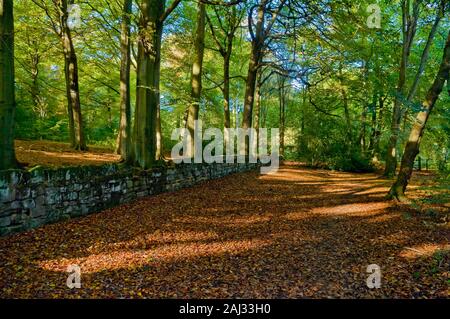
<point x="145" y="131"/>
<point x="412" y="146"/>
<point x="196" y="75"/>
<point x="60" y="23"/>
<point x="409" y="28"/>
<point x="223" y="36"/>
<point x="124" y="138"/>
<point x="282" y="95"/>
<point x="7" y="98"/>
<point x="259" y="35"/>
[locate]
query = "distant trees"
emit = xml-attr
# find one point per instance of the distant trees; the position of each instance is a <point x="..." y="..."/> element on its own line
<point x="7" y="97"/>
<point x="58" y="15"/>
<point x="330" y="96"/>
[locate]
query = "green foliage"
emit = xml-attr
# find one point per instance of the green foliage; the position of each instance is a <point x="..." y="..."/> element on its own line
<point x="338" y="68"/>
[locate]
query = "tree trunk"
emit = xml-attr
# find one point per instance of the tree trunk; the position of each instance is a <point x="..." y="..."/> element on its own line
<point x="124" y="138"/>
<point x="255" y="57"/>
<point x="257" y="118"/>
<point x="144" y="143"/>
<point x="258" y="104"/>
<point x="412" y="147"/>
<point x="375" y="149"/>
<point x="72" y="90"/>
<point x="282" y="114"/>
<point x="34" y="72"/>
<point x="7" y="98"/>
<point x="196" y="75"/>
<point x="226" y="92"/>
<point x="409" y="30"/>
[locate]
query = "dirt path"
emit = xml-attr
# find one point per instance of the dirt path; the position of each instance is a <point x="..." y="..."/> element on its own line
<point x="298" y="233"/>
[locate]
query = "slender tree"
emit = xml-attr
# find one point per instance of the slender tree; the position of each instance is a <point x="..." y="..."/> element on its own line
<point x="7" y="98"/>
<point x="224" y="36"/>
<point x="259" y="35"/>
<point x="412" y="146"/>
<point x="196" y="74"/>
<point x="124" y="137"/>
<point x="409" y="28"/>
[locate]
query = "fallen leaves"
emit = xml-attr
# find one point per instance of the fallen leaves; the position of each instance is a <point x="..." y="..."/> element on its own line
<point x="298" y="233"/>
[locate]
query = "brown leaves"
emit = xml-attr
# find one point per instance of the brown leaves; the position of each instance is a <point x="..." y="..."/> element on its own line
<point x="298" y="233"/>
<point x="31" y="153"/>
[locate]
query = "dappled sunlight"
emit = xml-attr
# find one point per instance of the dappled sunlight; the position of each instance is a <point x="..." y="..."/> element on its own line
<point x="57" y="154"/>
<point x="382" y="218"/>
<point x="397" y="238"/>
<point x="227" y="221"/>
<point x="158" y="237"/>
<point x="356" y="209"/>
<point x="373" y="190"/>
<point x="424" y="250"/>
<point x="294" y="216"/>
<point x="130" y="259"/>
<point x="317" y="236"/>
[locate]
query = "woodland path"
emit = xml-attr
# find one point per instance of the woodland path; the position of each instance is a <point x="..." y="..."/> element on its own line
<point x="297" y="233"/>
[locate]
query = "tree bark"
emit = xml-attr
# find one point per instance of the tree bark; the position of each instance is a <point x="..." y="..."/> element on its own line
<point x="412" y="147"/>
<point x="376" y="134"/>
<point x="226" y="92"/>
<point x="34" y="72"/>
<point x="409" y="25"/>
<point x="258" y="39"/>
<point x="255" y="57"/>
<point x="196" y="75"/>
<point x="7" y="98"/>
<point x="258" y="103"/>
<point x="124" y="137"/>
<point x="71" y="74"/>
<point x="282" y="114"/>
<point x="144" y="142"/>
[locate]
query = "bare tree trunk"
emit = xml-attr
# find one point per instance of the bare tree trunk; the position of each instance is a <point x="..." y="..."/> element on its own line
<point x="7" y="98"/>
<point x="196" y="75"/>
<point x="258" y="103"/>
<point x="282" y="114"/>
<point x="362" y="133"/>
<point x="144" y="144"/>
<point x="255" y="57"/>
<point x="226" y="92"/>
<point x="409" y="30"/>
<point x="34" y="72"/>
<point x="412" y="147"/>
<point x="124" y="137"/>
<point x="71" y="74"/>
<point x="376" y="134"/>
<point x="146" y="130"/>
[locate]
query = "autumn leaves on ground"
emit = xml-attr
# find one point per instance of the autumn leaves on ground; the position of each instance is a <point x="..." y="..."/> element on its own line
<point x="297" y="233"/>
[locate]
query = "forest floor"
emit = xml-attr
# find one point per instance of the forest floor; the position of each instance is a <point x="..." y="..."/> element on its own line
<point x="297" y="233"/>
<point x="48" y="153"/>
